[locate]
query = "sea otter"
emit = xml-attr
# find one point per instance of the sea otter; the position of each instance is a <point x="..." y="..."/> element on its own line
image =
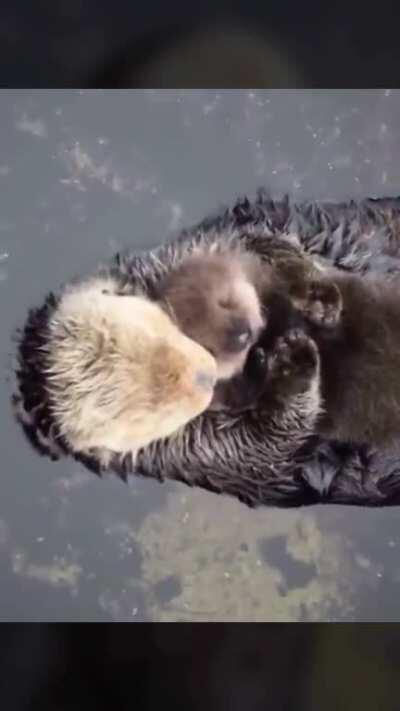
<point x="269" y="455"/>
<point x="355" y="322"/>
<point x="116" y="374"/>
<point x="215" y="296"/>
<point x="360" y="362"/>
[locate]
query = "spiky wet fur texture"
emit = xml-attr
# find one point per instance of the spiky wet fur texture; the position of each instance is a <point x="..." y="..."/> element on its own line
<point x="118" y="372"/>
<point x="266" y="457"/>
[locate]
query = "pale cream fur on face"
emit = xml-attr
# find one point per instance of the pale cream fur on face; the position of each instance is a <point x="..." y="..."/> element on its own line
<point x="120" y="373"/>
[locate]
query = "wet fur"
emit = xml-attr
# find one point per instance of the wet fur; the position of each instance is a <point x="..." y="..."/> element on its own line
<point x="355" y="322"/>
<point x="117" y="373"/>
<point x="267" y="457"/>
<point x="361" y="363"/>
<point x="214" y="297"/>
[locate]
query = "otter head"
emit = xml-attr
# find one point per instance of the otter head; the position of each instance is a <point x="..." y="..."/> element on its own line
<point x="120" y="374"/>
<point x="215" y="302"/>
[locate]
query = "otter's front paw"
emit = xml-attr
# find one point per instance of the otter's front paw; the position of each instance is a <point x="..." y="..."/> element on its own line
<point x="242" y="392"/>
<point x="323" y="303"/>
<point x="294" y="361"/>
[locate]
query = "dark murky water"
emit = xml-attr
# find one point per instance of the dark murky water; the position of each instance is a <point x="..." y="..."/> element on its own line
<point x="83" y="174"/>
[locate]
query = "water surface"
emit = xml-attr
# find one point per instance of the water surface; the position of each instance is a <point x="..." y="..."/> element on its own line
<point x="82" y="174"/>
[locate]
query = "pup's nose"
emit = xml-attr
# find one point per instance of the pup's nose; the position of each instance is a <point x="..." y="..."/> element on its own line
<point x="204" y="380"/>
<point x="239" y="335"/>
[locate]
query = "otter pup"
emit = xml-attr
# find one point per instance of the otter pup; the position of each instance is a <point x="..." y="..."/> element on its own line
<point x="292" y="291"/>
<point x="228" y="299"/>
<point x="355" y="323"/>
<point x="214" y="297"/>
<point x="360" y="362"/>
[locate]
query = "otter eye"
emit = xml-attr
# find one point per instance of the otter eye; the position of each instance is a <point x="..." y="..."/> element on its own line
<point x="225" y="304"/>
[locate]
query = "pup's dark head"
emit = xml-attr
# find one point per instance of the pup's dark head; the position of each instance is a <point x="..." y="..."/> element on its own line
<point x="215" y="302"/>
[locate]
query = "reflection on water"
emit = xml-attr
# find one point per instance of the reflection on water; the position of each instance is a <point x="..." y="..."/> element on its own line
<point x="220" y="556"/>
<point x="83" y="174"/>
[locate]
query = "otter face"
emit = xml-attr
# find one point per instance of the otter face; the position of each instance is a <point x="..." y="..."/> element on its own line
<point x="216" y="304"/>
<point x="234" y="312"/>
<point x="181" y="376"/>
<point x="120" y="374"/>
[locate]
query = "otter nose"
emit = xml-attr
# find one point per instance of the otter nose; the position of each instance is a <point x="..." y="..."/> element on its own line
<point x="204" y="380"/>
<point x="239" y="335"/>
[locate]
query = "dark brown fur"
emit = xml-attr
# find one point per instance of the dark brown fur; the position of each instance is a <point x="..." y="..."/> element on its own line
<point x="355" y="323"/>
<point x="295" y="294"/>
<point x="360" y="363"/>
<point x="260" y="457"/>
<point x="214" y="298"/>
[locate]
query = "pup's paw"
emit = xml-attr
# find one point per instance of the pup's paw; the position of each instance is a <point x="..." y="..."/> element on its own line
<point x="295" y="356"/>
<point x="323" y="304"/>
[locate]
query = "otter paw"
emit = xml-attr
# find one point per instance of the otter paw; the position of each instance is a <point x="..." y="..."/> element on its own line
<point x="295" y="355"/>
<point x="323" y="305"/>
<point x="258" y="359"/>
<point x="241" y="392"/>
